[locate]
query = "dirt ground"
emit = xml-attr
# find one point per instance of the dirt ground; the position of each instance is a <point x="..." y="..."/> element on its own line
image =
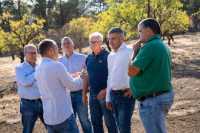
<point x="184" y="116"/>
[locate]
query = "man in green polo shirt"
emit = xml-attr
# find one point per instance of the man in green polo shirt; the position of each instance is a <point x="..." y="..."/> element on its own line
<point x="150" y="77"/>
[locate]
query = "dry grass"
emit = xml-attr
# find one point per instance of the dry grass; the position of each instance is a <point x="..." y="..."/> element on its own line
<point x="183" y="118"/>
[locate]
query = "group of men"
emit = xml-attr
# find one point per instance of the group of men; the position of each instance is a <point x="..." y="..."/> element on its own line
<point x="56" y="90"/>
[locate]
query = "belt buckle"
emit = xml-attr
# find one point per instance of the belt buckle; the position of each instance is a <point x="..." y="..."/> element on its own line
<point x="154" y="95"/>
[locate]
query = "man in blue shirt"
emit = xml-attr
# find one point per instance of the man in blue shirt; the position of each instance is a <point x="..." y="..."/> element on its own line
<point x="97" y="69"/>
<point x="30" y="103"/>
<point x="75" y="63"/>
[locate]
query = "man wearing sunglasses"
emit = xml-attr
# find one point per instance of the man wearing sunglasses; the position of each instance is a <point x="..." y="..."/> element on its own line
<point x="30" y="103"/>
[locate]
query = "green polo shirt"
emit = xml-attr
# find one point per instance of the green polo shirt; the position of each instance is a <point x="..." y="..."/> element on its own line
<point x="154" y="61"/>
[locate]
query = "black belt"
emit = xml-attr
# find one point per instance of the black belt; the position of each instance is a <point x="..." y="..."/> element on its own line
<point x="31" y="100"/>
<point x="118" y="92"/>
<point x="152" y="95"/>
<point x="76" y="92"/>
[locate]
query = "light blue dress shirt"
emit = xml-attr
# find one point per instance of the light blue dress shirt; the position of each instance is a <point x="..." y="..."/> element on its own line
<point x="74" y="63"/>
<point x="53" y="79"/>
<point x="25" y="77"/>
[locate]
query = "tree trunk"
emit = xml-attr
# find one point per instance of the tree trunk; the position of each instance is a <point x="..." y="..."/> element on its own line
<point x="148" y="9"/>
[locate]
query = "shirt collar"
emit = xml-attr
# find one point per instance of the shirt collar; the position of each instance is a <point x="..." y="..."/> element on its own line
<point x="73" y="54"/>
<point x="122" y="46"/>
<point x="156" y="36"/>
<point x="28" y="64"/>
<point x="47" y="59"/>
<point x="101" y="52"/>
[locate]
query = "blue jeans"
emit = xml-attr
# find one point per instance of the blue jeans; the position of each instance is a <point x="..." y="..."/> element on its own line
<point x="153" y="112"/>
<point x="97" y="111"/>
<point x="68" y="126"/>
<point x="81" y="110"/>
<point x="123" y="109"/>
<point x="30" y="111"/>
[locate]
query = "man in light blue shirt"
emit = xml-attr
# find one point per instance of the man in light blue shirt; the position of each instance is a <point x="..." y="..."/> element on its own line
<point x="30" y="103"/>
<point x="54" y="83"/>
<point x="75" y="63"/>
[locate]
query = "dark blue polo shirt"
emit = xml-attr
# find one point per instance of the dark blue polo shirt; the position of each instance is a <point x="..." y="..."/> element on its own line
<point x="98" y="71"/>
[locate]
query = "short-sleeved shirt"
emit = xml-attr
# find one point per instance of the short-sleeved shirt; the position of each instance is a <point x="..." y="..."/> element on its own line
<point x="97" y="68"/>
<point x="154" y="62"/>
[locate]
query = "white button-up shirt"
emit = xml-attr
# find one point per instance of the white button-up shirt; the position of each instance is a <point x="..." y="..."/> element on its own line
<point x="53" y="79"/>
<point x="75" y="63"/>
<point x="25" y="77"/>
<point x="118" y="61"/>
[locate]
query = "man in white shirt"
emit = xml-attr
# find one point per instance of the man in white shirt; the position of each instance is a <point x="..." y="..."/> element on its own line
<point x="53" y="79"/>
<point x="118" y="96"/>
<point x="75" y="63"/>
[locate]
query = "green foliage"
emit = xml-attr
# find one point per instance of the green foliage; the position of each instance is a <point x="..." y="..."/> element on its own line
<point x="27" y="30"/>
<point x="170" y="15"/>
<point x="58" y="12"/>
<point x="79" y="30"/>
<point x="125" y="15"/>
<point x="2" y="40"/>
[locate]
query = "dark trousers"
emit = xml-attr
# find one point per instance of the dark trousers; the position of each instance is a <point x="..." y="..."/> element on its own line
<point x="123" y="109"/>
<point x="68" y="126"/>
<point x="81" y="110"/>
<point x="98" y="110"/>
<point x="30" y="111"/>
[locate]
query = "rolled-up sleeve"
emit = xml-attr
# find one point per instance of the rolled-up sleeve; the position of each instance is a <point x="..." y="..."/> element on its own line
<point x="26" y="80"/>
<point x="66" y="79"/>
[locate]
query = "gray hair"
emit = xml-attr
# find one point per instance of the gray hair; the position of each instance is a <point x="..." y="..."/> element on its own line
<point x="96" y="34"/>
<point x="28" y="46"/>
<point x="66" y="38"/>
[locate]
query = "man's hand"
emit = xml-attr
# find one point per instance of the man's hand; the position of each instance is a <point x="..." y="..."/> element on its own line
<point x="128" y="93"/>
<point x="137" y="45"/>
<point x="75" y="75"/>
<point x="136" y="48"/>
<point x="84" y="74"/>
<point x="85" y="99"/>
<point x="102" y="94"/>
<point x="133" y="71"/>
<point x="109" y="106"/>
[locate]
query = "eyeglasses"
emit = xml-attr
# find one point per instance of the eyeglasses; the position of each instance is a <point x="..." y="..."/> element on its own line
<point x="93" y="42"/>
<point x="33" y="53"/>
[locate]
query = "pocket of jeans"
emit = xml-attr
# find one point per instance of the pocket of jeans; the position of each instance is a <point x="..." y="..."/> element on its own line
<point x="147" y="104"/>
<point x="26" y="107"/>
<point x="166" y="106"/>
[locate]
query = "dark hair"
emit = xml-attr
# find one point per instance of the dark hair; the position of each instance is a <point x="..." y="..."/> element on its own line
<point x="116" y="30"/>
<point x="45" y="45"/>
<point x="152" y="24"/>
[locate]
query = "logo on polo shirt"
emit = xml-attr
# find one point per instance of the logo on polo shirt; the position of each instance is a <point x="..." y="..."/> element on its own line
<point x="100" y="61"/>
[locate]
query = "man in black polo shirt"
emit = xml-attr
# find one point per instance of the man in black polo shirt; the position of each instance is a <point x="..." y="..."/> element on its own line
<point x="97" y="69"/>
